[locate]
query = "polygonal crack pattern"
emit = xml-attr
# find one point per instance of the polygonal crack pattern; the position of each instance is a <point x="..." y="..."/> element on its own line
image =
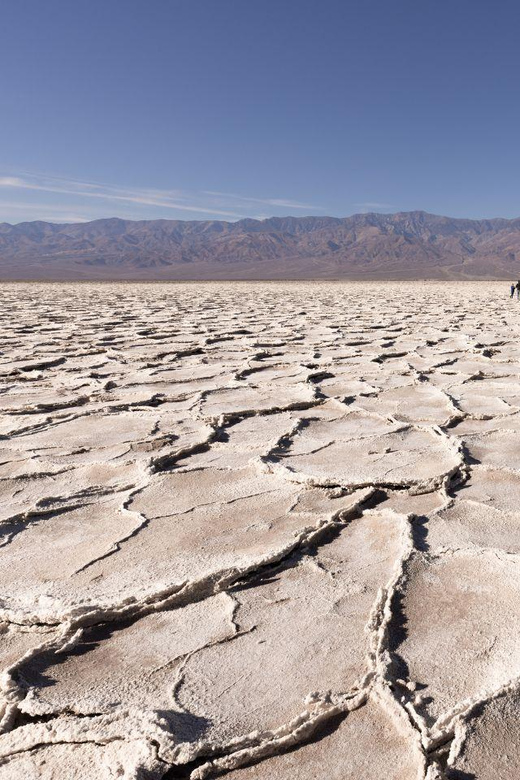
<point x="260" y="530"/>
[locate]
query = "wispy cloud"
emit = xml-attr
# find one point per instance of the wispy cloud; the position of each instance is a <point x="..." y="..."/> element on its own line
<point x="146" y="202"/>
<point x="142" y="197"/>
<point x="373" y="206"/>
<point x="279" y="202"/>
<point x="45" y="212"/>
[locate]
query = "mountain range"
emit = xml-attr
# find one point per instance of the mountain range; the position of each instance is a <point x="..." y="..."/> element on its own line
<point x="407" y="245"/>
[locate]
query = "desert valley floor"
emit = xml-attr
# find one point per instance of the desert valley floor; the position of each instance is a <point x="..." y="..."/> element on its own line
<point x="267" y="530"/>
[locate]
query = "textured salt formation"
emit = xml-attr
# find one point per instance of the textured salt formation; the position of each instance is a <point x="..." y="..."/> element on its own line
<point x="370" y="743"/>
<point x="263" y="530"/>
<point x="488" y="740"/>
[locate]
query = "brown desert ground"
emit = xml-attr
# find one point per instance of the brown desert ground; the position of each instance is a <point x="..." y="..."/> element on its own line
<point x="266" y="530"/>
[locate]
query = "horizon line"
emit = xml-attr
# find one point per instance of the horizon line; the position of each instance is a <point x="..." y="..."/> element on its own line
<point x="260" y="220"/>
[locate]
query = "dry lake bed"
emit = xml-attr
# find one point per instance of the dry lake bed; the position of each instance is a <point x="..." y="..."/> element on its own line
<point x="268" y="530"/>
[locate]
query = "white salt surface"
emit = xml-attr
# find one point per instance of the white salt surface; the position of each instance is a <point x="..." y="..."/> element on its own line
<point x="263" y="530"/>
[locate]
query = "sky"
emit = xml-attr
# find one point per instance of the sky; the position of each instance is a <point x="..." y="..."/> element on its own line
<point x="225" y="109"/>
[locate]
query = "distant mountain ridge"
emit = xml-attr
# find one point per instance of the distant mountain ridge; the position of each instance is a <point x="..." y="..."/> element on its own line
<point x="407" y="245"/>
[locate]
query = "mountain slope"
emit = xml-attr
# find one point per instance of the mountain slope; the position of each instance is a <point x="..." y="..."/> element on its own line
<point x="365" y="246"/>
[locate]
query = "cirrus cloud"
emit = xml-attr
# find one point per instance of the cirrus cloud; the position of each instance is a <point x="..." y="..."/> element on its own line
<point x="145" y="203"/>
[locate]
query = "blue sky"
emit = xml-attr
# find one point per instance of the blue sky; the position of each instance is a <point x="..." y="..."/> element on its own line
<point x="222" y="109"/>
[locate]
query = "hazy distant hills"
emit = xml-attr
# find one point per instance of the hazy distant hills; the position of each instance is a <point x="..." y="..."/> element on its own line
<point x="413" y="245"/>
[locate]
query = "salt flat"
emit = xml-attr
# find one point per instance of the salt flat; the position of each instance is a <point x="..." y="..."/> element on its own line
<point x="262" y="529"/>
